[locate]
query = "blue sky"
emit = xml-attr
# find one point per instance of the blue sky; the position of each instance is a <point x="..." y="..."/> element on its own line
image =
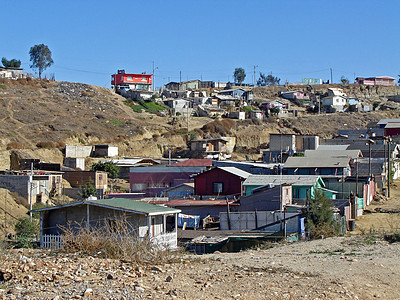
<point x="206" y="39"/>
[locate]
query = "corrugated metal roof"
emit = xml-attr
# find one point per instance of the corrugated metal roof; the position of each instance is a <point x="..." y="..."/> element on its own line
<point x="317" y="162"/>
<point x="124" y="204"/>
<point x="333" y="153"/>
<point x="332" y="147"/>
<point x="192" y="162"/>
<point x="199" y="202"/>
<point x="393" y="125"/>
<point x="295" y="180"/>
<point x="235" y="171"/>
<point x="385" y="121"/>
<point x="133" y="205"/>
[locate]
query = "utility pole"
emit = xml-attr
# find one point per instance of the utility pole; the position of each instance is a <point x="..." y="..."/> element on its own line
<point x="254" y="82"/>
<point x="30" y="192"/>
<point x="389" y="171"/>
<point x="153" y="76"/>
<point x="187" y="112"/>
<point x="319" y="104"/>
<point x="5" y="211"/>
<point x="331" y="77"/>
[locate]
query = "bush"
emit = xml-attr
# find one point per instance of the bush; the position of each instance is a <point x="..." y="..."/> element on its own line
<point x="45" y="145"/>
<point x="15" y="145"/>
<point x="108" y="166"/>
<point x="116" y="241"/>
<point x="88" y="189"/>
<point x="320" y="218"/>
<point x="26" y="231"/>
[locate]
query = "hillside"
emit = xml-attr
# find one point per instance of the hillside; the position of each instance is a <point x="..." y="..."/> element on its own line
<point x="42" y="115"/>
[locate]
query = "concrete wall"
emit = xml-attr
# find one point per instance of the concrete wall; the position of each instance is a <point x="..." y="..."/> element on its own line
<point x="284" y="142"/>
<point x="76" y="217"/>
<point x="78" y="151"/>
<point x="41" y="186"/>
<point x="268" y="200"/>
<point x="251" y="220"/>
<point x="79" y="178"/>
<point x="75" y="162"/>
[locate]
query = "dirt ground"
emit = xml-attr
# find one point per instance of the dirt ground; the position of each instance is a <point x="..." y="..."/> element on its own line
<point x="351" y="267"/>
<point x="382" y="216"/>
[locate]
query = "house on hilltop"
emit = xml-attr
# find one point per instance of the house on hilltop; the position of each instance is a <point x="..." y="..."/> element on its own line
<point x="131" y="81"/>
<point x="336" y="99"/>
<point x="379" y="80"/>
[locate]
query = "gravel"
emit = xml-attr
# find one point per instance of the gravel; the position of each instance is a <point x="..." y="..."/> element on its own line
<point x="352" y="267"/>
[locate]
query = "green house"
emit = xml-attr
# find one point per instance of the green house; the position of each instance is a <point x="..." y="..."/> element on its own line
<point x="302" y="185"/>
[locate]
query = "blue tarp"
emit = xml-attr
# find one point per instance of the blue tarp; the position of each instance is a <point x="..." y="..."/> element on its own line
<point x="191" y="221"/>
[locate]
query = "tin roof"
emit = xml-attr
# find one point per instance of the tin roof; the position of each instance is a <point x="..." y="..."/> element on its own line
<point x="235" y="171"/>
<point x="295" y="180"/>
<point x="317" y="162"/>
<point x="124" y="204"/>
<point x="192" y="162"/>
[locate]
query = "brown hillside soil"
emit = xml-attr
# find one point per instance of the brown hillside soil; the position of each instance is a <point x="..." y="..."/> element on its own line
<point x="354" y="267"/>
<point x="48" y="114"/>
<point x="11" y="208"/>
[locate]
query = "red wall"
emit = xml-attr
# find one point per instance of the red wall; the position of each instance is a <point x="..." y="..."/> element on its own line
<point x="203" y="183"/>
<point x="392" y="131"/>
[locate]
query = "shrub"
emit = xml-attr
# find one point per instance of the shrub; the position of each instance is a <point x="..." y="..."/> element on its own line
<point x="115" y="240"/>
<point x="15" y="145"/>
<point x="26" y="231"/>
<point x="87" y="190"/>
<point x="320" y="218"/>
<point x="108" y="166"/>
<point x="45" y="145"/>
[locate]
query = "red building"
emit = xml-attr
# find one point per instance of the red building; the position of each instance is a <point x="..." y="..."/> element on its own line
<point x="392" y="129"/>
<point x="222" y="181"/>
<point x="131" y="81"/>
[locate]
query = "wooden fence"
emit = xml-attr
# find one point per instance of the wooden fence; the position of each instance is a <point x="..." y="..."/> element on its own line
<point x="50" y="241"/>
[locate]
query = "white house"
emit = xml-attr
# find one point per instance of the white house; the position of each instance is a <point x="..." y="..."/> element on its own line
<point x="336" y="98"/>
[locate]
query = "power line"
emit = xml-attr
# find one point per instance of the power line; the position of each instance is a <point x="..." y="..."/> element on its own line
<point x="83" y="71"/>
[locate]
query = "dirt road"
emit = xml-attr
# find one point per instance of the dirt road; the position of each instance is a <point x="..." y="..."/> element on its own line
<point x="383" y="216"/>
<point x="352" y="267"/>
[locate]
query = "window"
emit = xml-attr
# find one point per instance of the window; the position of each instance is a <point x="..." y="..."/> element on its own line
<point x="129" y="78"/>
<point x="218" y="187"/>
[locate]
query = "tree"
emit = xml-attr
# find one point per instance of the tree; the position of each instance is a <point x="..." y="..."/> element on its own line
<point x="87" y="190"/>
<point x="239" y="75"/>
<point x="267" y="80"/>
<point x="107" y="166"/>
<point x="344" y="80"/>
<point x="320" y="218"/>
<point x="40" y="58"/>
<point x="10" y="63"/>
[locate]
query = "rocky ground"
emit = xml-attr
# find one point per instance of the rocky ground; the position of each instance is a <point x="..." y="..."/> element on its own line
<point x="351" y="267"/>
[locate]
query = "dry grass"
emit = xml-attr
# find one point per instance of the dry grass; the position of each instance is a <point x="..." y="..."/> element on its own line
<point x="222" y="127"/>
<point x="15" y="145"/>
<point x="118" y="242"/>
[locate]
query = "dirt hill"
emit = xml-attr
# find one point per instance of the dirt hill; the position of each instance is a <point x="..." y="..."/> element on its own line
<point x="48" y="114"/>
